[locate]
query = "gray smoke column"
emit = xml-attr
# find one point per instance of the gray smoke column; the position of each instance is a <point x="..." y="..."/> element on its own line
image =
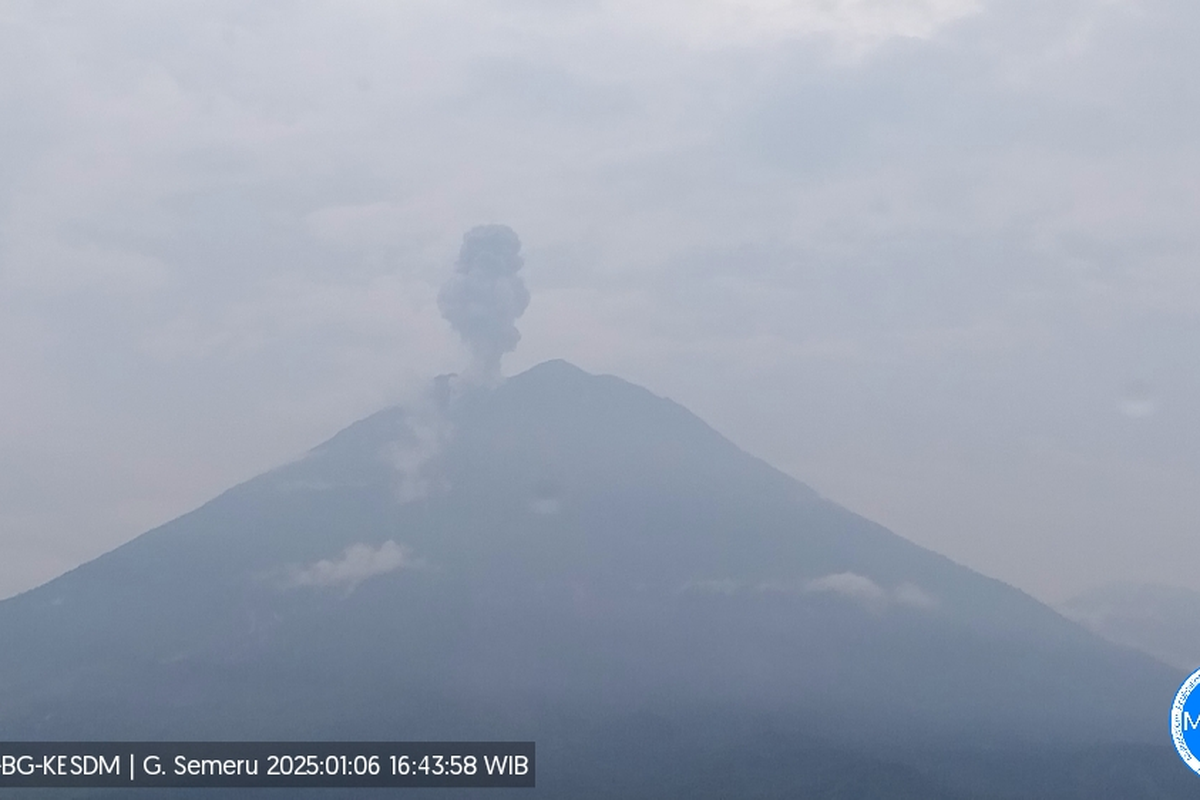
<point x="485" y="296"/>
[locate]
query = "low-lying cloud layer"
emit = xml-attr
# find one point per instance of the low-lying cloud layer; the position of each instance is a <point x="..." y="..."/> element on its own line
<point x="851" y="586"/>
<point x="866" y="592"/>
<point x="358" y="563"/>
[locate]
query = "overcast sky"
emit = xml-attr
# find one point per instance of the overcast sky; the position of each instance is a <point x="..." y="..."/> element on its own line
<point x="936" y="258"/>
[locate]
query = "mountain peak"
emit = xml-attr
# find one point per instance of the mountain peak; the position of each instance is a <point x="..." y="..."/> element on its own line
<point x="557" y="538"/>
<point x="558" y="367"/>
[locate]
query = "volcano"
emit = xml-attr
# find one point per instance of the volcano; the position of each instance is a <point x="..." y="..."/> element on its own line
<point x="569" y="558"/>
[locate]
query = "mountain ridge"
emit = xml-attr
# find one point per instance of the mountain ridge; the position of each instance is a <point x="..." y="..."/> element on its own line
<point x="495" y="561"/>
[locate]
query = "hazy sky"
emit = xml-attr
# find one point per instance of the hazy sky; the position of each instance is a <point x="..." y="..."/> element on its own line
<point x="936" y="258"/>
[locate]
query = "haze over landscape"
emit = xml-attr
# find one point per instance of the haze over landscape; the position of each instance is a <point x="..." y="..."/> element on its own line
<point x="935" y="259"/>
<point x="727" y="382"/>
<point x="569" y="559"/>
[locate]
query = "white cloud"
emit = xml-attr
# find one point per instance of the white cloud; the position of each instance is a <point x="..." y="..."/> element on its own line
<point x="869" y="594"/>
<point x="358" y="563"/>
<point x="913" y="596"/>
<point x="851" y="586"/>
<point x="363" y="225"/>
<point x="853" y="24"/>
<point x="234" y="214"/>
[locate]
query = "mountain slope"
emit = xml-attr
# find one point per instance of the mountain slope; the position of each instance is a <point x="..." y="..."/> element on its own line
<point x="540" y="557"/>
<point x="1163" y="621"/>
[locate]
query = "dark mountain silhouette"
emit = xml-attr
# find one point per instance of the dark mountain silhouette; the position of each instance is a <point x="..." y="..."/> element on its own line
<point x="569" y="558"/>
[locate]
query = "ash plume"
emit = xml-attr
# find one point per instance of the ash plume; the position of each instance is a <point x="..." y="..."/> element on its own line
<point x="485" y="296"/>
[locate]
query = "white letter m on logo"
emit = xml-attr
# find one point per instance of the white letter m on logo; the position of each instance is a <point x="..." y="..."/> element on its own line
<point x="1190" y="723"/>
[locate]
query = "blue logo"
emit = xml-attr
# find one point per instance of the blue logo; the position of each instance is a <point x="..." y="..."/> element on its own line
<point x="1185" y="722"/>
